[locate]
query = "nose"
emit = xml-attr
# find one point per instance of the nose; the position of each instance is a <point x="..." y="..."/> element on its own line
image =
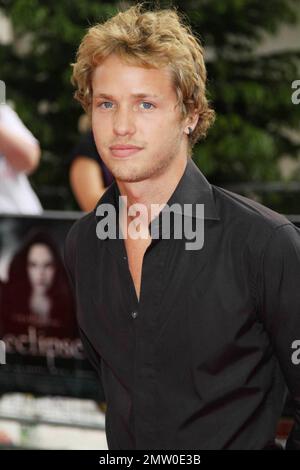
<point x="41" y="274"/>
<point x="124" y="121"/>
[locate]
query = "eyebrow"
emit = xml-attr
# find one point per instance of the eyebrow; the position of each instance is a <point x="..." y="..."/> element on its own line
<point x="134" y="95"/>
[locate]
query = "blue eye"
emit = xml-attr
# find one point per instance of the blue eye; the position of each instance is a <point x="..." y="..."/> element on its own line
<point x="109" y="104"/>
<point x="148" y="104"/>
<point x="104" y="103"/>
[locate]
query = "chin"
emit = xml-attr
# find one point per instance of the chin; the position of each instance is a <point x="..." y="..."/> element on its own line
<point x="130" y="178"/>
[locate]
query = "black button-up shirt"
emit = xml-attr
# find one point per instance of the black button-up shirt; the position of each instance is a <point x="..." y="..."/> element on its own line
<point x="202" y="360"/>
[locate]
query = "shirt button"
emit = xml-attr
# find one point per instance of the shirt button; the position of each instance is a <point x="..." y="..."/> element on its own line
<point x="134" y="314"/>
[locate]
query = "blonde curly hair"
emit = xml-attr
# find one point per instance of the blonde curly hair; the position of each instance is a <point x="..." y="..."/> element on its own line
<point x="149" y="39"/>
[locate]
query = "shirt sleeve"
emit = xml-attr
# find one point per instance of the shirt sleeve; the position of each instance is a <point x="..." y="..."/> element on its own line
<point x="280" y="309"/>
<point x="69" y="255"/>
<point x="10" y="120"/>
<point x="70" y="263"/>
<point x="91" y="353"/>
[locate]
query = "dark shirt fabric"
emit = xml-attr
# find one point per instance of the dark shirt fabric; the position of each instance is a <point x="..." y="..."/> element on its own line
<point x="86" y="147"/>
<point x="203" y="359"/>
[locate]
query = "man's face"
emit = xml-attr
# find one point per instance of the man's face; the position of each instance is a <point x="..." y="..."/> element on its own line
<point x="136" y="106"/>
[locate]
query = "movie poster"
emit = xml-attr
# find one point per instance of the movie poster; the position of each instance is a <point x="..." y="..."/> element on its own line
<point x="44" y="354"/>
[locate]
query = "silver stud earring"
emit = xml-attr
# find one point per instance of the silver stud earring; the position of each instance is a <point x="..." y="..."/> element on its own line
<point x="190" y="130"/>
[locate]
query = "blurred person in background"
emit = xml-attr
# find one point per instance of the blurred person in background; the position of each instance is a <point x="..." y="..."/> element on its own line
<point x="89" y="176"/>
<point x="19" y="157"/>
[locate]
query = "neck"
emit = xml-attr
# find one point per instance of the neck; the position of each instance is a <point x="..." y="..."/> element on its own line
<point x="156" y="190"/>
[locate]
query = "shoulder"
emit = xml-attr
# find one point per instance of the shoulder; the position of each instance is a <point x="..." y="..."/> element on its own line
<point x="253" y="227"/>
<point x="78" y="242"/>
<point x="84" y="229"/>
<point x="233" y="206"/>
<point x="81" y="228"/>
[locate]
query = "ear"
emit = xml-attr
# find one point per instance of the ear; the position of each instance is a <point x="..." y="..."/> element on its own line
<point x="191" y="122"/>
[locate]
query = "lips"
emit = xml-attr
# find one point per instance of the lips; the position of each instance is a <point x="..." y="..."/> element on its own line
<point x="124" y="150"/>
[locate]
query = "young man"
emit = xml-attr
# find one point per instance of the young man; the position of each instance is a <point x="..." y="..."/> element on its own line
<point x="194" y="346"/>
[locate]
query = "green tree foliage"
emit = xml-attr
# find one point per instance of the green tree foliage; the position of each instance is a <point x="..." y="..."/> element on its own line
<point x="250" y="92"/>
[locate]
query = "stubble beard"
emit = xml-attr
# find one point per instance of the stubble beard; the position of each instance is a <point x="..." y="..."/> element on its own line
<point x="131" y="172"/>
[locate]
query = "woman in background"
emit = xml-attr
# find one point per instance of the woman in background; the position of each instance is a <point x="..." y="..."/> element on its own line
<point x="37" y="292"/>
<point x="89" y="177"/>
